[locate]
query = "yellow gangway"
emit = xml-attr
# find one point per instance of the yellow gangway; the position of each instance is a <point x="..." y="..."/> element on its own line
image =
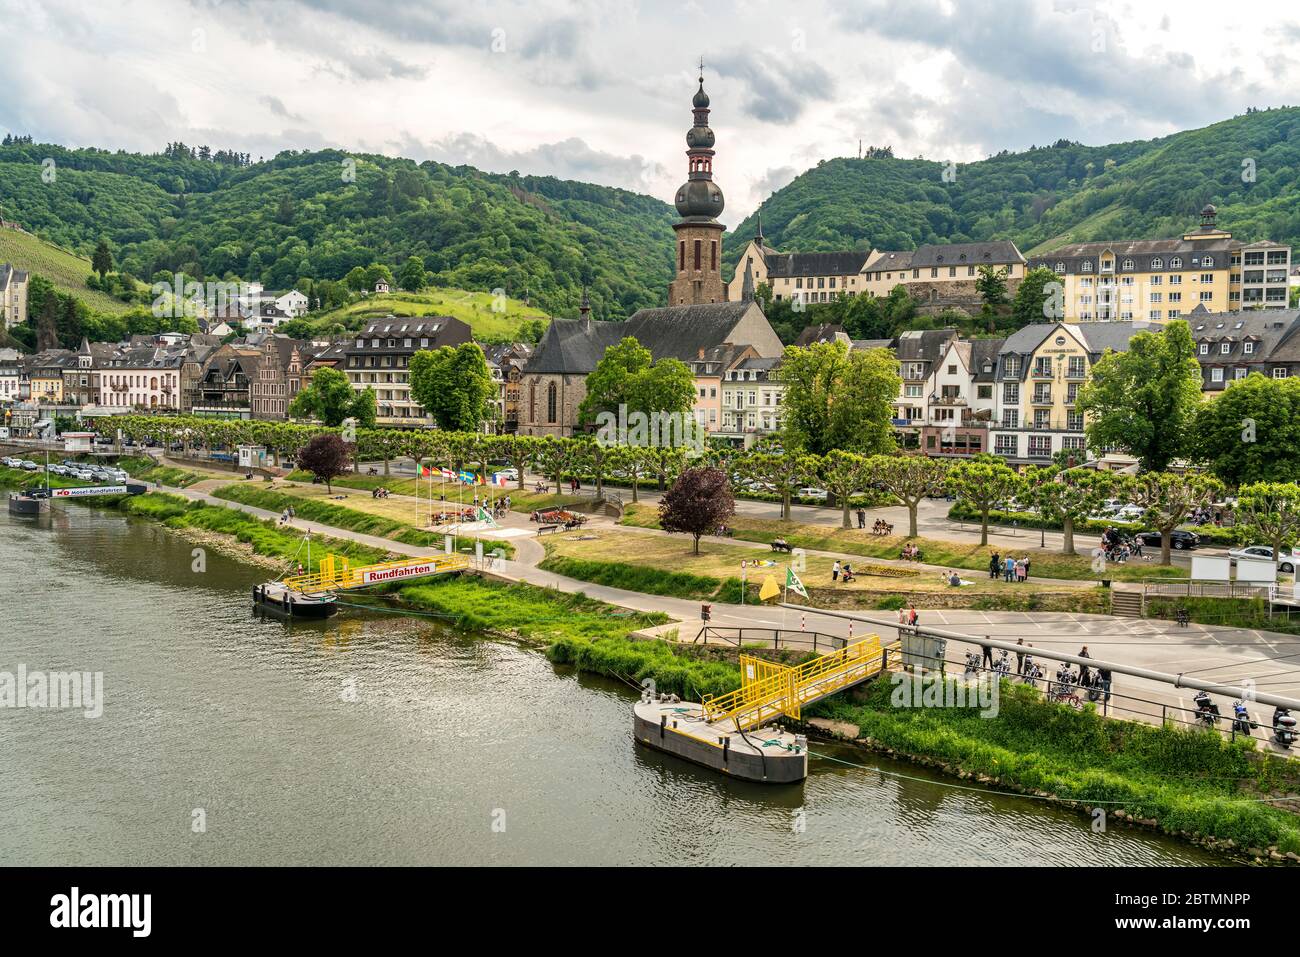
<point x="336" y="574"/>
<point x="769" y="690"/>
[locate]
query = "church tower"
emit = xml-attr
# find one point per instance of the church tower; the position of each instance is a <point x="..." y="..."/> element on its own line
<point x="698" y="257"/>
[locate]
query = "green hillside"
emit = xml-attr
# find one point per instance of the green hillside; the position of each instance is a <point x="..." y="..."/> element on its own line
<point x="67" y="271"/>
<point x="490" y="320"/>
<point x="320" y="214"/>
<point x="1049" y="195"/>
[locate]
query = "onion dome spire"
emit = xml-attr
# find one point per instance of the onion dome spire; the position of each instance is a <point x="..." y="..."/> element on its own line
<point x="699" y="198"/>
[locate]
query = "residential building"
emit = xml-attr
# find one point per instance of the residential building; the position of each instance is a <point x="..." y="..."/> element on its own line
<point x="943" y="276"/>
<point x="511" y="360"/>
<point x="379" y="358"/>
<point x="279" y="376"/>
<point x="1162" y="279"/>
<point x="752" y="395"/>
<point x="10" y="370"/>
<point x="13" y="296"/>
<point x="223" y="388"/>
<point x="712" y="368"/>
<point x="1230" y="346"/>
<point x="963" y="401"/>
<point x="918" y="353"/>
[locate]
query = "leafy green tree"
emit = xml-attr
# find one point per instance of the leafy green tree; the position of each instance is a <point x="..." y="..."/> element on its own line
<point x="1269" y="511"/>
<point x="412" y="276"/>
<point x="1039" y="298"/>
<point x="843" y="475"/>
<point x="1069" y="496"/>
<point x="330" y="398"/>
<point x="986" y="483"/>
<point x="1168" y="499"/>
<point x="454" y="386"/>
<point x="991" y="284"/>
<point x="1251" y="431"/>
<point x="554" y="457"/>
<point x="518" y="450"/>
<point x="909" y="478"/>
<point x="1145" y="400"/>
<point x="782" y="473"/>
<point x="631" y="463"/>
<point x="102" y="260"/>
<point x="627" y="375"/>
<point x="838" y="399"/>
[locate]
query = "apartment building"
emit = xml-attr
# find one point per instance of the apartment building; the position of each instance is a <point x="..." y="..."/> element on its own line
<point x="918" y="353"/>
<point x="13" y="296"/>
<point x="379" y="358"/>
<point x="1230" y="346"/>
<point x="752" y="394"/>
<point x="1162" y="279"/>
<point x="943" y="274"/>
<point x="962" y="402"/>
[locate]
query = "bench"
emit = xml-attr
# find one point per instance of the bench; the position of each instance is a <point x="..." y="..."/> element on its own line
<point x="781" y="547"/>
<point x="547" y="528"/>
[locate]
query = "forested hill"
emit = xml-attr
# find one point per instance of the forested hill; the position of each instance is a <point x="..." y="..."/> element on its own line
<point x="319" y="214"/>
<point x="1051" y="195"/>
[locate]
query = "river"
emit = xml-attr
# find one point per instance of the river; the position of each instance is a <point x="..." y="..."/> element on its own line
<point x="227" y="738"/>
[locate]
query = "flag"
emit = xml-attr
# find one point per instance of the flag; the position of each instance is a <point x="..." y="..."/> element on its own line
<point x="499" y="480"/>
<point x="770" y="588"/>
<point x="793" y="583"/>
<point x="425" y="471"/>
<point x="446" y="473"/>
<point x="467" y="477"/>
<point x="484" y="517"/>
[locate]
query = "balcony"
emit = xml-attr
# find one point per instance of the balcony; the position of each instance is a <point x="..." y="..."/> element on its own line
<point x="948" y="400"/>
<point x="1041" y="398"/>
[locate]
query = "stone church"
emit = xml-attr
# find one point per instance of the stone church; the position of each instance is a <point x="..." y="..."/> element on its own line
<point x="697" y="320"/>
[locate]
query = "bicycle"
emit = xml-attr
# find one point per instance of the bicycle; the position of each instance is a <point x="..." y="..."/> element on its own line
<point x="1064" y="694"/>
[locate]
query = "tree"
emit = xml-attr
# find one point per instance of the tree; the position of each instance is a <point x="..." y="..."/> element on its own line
<point x="909" y="478"/>
<point x="986" y="483"/>
<point x="1251" y="432"/>
<point x="411" y="276"/>
<point x="327" y="457"/>
<point x="628" y="376"/>
<point x="1270" y="511"/>
<point x="1168" y="499"/>
<point x="330" y="398"/>
<point x="780" y="473"/>
<point x="1069" y="496"/>
<point x="518" y="450"/>
<point x="1039" y="298"/>
<point x="102" y="260"/>
<point x="1145" y="400"/>
<point x="992" y="285"/>
<point x="554" y="457"/>
<point x="454" y="386"/>
<point x="699" y="501"/>
<point x="844" y="474"/>
<point x="838" y="399"/>
<point x="631" y="462"/>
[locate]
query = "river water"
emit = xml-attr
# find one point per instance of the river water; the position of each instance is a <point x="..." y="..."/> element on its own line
<point x="375" y="739"/>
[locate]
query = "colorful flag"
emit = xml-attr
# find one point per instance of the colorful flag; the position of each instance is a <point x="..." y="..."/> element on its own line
<point x="793" y="583"/>
<point x="425" y="471"/>
<point x="770" y="588"/>
<point x="467" y="477"/>
<point x="484" y="517"/>
<point x="499" y="480"/>
<point x="447" y="473"/>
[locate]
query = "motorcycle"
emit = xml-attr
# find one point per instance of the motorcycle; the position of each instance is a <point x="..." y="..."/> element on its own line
<point x="1003" y="665"/>
<point x="1207" y="712"/>
<point x="1241" y="718"/>
<point x="972" y="664"/>
<point x="1283" y="728"/>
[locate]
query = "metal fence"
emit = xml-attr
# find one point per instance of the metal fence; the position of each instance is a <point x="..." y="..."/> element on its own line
<point x="774" y="638"/>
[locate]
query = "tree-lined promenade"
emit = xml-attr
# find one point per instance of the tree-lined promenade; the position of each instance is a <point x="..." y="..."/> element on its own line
<point x="1068" y="496"/>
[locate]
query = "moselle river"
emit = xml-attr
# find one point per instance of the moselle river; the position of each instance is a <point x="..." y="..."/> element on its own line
<point x="378" y="739"/>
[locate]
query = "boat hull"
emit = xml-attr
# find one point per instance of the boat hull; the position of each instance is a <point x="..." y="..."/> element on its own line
<point x="278" y="600"/>
<point x="28" y="505"/>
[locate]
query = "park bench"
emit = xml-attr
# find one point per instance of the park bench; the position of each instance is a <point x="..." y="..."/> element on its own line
<point x="781" y="547"/>
<point x="547" y="528"/>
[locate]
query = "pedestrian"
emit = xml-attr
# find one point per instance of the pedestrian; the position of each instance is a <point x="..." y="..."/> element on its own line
<point x="862" y="518"/>
<point x="1084" y="672"/>
<point x="1103" y="680"/>
<point x="995" y="566"/>
<point x="1009" y="570"/>
<point x="988" y="655"/>
<point x="1020" y="657"/>
<point x="902" y="616"/>
<point x="913" y="618"/>
<point x="835" y="572"/>
<point x="1026" y="568"/>
<point x="1018" y="569"/>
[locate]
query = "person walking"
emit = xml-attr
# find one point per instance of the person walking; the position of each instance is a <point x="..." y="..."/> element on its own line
<point x="1084" y="671"/>
<point x="1026" y="568"/>
<point x="862" y="518"/>
<point x="1103" y="682"/>
<point x="913" y="618"/>
<point x="995" y="566"/>
<point x="835" y="572"/>
<point x="1020" y="657"/>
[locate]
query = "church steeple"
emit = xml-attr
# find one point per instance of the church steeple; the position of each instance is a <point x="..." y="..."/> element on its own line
<point x="699" y="202"/>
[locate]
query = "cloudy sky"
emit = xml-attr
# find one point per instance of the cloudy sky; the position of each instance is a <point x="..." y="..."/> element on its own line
<point x="599" y="90"/>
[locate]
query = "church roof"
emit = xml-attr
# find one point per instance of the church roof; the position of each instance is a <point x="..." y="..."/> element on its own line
<point x="781" y="265"/>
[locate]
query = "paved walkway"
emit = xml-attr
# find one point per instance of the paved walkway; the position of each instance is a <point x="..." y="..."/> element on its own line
<point x="1228" y="655"/>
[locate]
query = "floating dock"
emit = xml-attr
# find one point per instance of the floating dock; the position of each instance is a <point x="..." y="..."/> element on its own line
<point x="314" y="595"/>
<point x="735" y="734"/>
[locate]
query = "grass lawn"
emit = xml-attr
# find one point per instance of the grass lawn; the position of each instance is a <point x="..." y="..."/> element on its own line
<point x="974" y="557"/>
<point x="144" y="467"/>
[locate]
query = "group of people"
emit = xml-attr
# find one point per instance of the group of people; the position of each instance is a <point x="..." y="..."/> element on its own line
<point x="287" y="515"/>
<point x="1207" y="516"/>
<point x="1096" y="682"/>
<point x="1009" y="568"/>
<point x="908" y="617"/>
<point x="881" y="527"/>
<point x="1119" y="548"/>
<point x="842" y="572"/>
<point x="953" y="579"/>
<point x="910" y="553"/>
<point x="379" y="493"/>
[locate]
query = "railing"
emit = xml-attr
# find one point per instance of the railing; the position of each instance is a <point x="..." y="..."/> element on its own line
<point x="1194" y="588"/>
<point x="778" y="638"/>
<point x="336" y="574"/>
<point x="770" y="690"/>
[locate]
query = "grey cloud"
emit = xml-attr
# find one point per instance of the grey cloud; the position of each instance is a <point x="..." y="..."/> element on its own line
<point x="774" y="179"/>
<point x="777" y="87"/>
<point x="277" y="108"/>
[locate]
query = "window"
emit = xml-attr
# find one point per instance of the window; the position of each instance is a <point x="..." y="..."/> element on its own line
<point x="1157" y="280"/>
<point x="1128" y="264"/>
<point x="1279" y="372"/>
<point x="1157" y="297"/>
<point x="1216" y="375"/>
<point x="1077" y="368"/>
<point x="1087" y="265"/>
<point x="1157" y="263"/>
<point x="698" y="245"/>
<point x="1060" y="269"/>
<point x="1207" y="296"/>
<point x="551" y="403"/>
<point x="1011" y="393"/>
<point x="1176" y="263"/>
<point x="1239" y="372"/>
<point x="1205" y="349"/>
<point x="1225" y="348"/>
<point x="1207" y="277"/>
<point x="1007" y="445"/>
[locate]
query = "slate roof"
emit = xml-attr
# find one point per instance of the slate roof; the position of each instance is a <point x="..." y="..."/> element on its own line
<point x="8" y="272"/>
<point x="923" y="345"/>
<point x="783" y="265"/>
<point x="862" y="344"/>
<point x="999" y="252"/>
<point x="888" y="260"/>
<point x="575" y="346"/>
<point x="1274" y="332"/>
<point x="984" y="351"/>
<point x="1143" y="251"/>
<point x="823" y="332"/>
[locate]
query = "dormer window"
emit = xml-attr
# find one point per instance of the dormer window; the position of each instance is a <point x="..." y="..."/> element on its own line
<point x="1060" y="269"/>
<point x="1248" y="348"/>
<point x="1207" y="262"/>
<point x="1087" y="265"/>
<point x="1128" y="264"/>
<point x="1157" y="263"/>
<point x="1176" y="263"/>
<point x="1225" y="348"/>
<point x="1205" y="348"/>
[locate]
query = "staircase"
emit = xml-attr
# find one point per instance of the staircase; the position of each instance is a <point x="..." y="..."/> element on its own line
<point x="1126" y="603"/>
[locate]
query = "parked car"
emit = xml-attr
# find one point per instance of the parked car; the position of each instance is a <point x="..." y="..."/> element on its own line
<point x="1286" y="563"/>
<point x="29" y="465"/>
<point x="817" y="494"/>
<point x="8" y="462"/>
<point x="1179" y="538"/>
<point x="58" y="470"/>
<point x="510" y="474"/>
<point x="82" y="474"/>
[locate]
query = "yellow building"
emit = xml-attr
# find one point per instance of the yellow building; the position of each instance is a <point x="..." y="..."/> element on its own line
<point x="1162" y="279"/>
